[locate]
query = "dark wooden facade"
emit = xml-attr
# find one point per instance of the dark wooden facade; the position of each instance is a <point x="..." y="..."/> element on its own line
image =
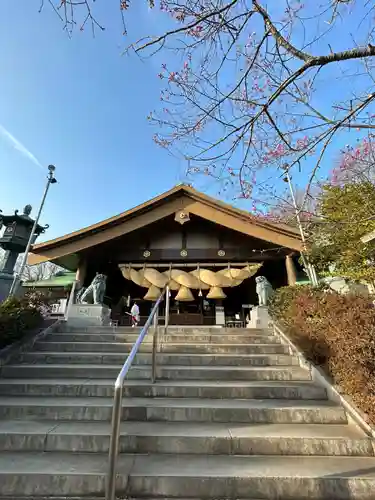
<point x="197" y="241"/>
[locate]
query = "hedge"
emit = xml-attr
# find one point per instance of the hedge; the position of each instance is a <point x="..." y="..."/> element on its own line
<point x="335" y="332"/>
<point x="18" y="316"/>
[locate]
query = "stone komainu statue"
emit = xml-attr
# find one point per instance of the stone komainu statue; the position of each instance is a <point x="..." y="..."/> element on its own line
<point x="95" y="291"/>
<point x="264" y="290"/>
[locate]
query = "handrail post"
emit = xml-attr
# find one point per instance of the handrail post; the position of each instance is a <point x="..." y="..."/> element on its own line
<point x="166" y="321"/>
<point x="114" y="443"/>
<point x="70" y="300"/>
<point x="154" y="345"/>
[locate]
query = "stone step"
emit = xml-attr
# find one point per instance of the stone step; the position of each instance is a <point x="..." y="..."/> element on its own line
<point x="43" y="497"/>
<point x="180" y="359"/>
<point x="174" y="409"/>
<point x="47" y="475"/>
<point x="126" y="347"/>
<point x="204" y="476"/>
<point x="182" y="330"/>
<point x="253" y="477"/>
<point x="168" y="389"/>
<point x="187" y="438"/>
<point x="49" y="497"/>
<point x="131" y="338"/>
<point x="162" y="372"/>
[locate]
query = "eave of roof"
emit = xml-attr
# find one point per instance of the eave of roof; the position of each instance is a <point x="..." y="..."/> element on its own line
<point x="179" y="189"/>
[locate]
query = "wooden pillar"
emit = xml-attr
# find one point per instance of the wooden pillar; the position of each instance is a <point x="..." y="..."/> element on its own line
<point x="290" y="270"/>
<point x="81" y="272"/>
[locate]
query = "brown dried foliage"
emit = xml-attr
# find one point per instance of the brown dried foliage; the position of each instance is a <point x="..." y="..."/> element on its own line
<point x="335" y="332"/>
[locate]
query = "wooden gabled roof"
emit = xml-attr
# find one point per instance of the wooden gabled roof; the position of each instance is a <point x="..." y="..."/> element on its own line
<point x="178" y="198"/>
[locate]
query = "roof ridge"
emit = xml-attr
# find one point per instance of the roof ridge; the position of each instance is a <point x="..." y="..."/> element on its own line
<point x="182" y="187"/>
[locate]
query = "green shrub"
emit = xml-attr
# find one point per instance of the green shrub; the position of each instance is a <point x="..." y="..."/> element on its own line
<point x="282" y="299"/>
<point x="336" y="332"/>
<point x="18" y="316"/>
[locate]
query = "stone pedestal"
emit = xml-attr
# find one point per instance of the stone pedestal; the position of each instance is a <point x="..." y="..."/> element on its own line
<point x="259" y="317"/>
<point x="5" y="284"/>
<point x="89" y="315"/>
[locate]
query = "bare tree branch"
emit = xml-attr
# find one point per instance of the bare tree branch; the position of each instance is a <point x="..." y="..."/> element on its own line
<point x="245" y="83"/>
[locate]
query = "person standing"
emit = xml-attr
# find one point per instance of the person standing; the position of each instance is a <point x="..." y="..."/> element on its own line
<point x="134" y="311"/>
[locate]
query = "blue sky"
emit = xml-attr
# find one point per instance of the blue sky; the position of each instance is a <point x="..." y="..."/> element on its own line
<point x="81" y="105"/>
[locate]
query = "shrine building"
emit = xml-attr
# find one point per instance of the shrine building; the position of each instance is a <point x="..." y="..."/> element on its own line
<point x="207" y="251"/>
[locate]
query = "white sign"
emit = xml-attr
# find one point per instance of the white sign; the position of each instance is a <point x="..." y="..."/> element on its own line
<point x="83" y="311"/>
<point x="219" y="315"/>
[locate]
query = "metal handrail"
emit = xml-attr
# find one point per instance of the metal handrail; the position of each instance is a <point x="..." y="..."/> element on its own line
<point x="117" y="400"/>
<point x="70" y="300"/>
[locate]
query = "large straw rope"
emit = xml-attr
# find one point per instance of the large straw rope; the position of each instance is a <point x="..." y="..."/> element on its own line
<point x="198" y="279"/>
<point x="139" y="279"/>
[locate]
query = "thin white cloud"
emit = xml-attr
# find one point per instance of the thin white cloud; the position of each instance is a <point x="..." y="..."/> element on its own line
<point x="16" y="144"/>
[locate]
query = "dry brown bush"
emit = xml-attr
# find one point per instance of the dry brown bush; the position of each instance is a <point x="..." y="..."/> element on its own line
<point x="337" y="333"/>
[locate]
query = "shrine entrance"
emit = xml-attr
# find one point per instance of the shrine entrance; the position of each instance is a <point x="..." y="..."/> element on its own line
<point x="208" y="252"/>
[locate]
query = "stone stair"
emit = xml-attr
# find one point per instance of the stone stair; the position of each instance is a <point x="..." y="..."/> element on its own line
<point x="232" y="415"/>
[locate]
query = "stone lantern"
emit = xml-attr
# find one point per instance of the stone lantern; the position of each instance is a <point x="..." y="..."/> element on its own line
<point x="16" y="234"/>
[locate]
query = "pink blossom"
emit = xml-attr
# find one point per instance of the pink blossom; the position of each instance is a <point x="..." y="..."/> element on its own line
<point x="196" y="31"/>
<point x="280" y="150"/>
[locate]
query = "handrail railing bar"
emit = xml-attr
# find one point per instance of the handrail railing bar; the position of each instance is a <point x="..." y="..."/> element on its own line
<point x="117" y="404"/>
<point x="154" y="345"/>
<point x="133" y="352"/>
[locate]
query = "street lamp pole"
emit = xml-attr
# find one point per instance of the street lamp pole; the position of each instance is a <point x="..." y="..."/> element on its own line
<point x="17" y="275"/>
<point x="309" y="267"/>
